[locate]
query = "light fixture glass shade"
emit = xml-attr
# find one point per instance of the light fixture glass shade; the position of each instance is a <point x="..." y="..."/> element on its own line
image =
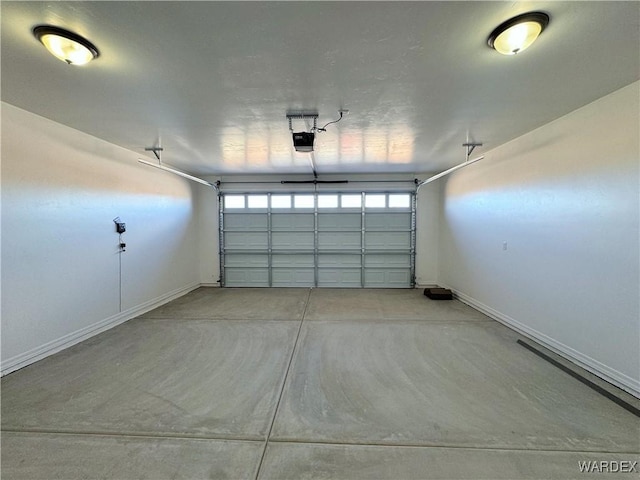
<point x="65" y="45"/>
<point x="517" y="34"/>
<point x="517" y="38"/>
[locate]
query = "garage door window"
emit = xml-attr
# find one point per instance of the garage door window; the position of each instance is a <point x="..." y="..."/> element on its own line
<point x="327" y="201"/>
<point x="257" y="201"/>
<point x="234" y="201"/>
<point x="280" y="201"/>
<point x="375" y="201"/>
<point x="399" y="201"/>
<point x="351" y="201"/>
<point x="303" y="201"/>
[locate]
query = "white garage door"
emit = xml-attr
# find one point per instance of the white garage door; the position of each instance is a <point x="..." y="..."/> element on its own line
<point x="317" y="240"/>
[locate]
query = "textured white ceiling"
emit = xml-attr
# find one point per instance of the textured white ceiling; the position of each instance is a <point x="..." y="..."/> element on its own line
<point x="212" y="81"/>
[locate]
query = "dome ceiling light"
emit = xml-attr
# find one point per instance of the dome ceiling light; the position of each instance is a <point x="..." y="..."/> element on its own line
<point x="518" y="33"/>
<point x="65" y="45"/>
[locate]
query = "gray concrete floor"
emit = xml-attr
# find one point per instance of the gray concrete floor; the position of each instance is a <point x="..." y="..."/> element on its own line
<point x="298" y="383"/>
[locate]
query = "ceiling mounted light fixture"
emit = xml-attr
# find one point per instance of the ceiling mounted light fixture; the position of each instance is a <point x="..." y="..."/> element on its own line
<point x="65" y="45"/>
<point x="518" y="33"/>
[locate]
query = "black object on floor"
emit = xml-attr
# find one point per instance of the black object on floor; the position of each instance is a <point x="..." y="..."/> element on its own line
<point x="580" y="378"/>
<point x="438" y="293"/>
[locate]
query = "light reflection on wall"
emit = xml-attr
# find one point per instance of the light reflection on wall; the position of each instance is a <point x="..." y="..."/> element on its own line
<point x="259" y="149"/>
<point x="375" y="146"/>
<point x="255" y="148"/>
<point x="351" y="150"/>
<point x="378" y="145"/>
<point x="233" y="146"/>
<point x="400" y="145"/>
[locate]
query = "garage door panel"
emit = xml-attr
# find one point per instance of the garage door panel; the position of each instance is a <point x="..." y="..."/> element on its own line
<point x="246" y="260"/>
<point x="246" y="240"/>
<point x="337" y="260"/>
<point x="388" y="221"/>
<point x="387" y="260"/>
<point x="293" y="277"/>
<point x="292" y="240"/>
<point x="292" y="260"/>
<point x="339" y="240"/>
<point x="388" y="240"/>
<point x="245" y="221"/>
<point x="339" y="277"/>
<point x="245" y="277"/>
<point x="387" y="278"/>
<point x="283" y="221"/>
<point x="339" y="221"/>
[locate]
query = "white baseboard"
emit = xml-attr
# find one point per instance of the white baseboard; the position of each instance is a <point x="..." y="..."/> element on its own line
<point x="27" y="358"/>
<point x="599" y="369"/>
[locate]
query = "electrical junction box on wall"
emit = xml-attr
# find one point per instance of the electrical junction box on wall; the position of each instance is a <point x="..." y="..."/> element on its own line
<point x="120" y="226"/>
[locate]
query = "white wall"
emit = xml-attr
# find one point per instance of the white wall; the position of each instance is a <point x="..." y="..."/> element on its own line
<point x="565" y="198"/>
<point x="60" y="263"/>
<point x="208" y="258"/>
<point x="427" y="234"/>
